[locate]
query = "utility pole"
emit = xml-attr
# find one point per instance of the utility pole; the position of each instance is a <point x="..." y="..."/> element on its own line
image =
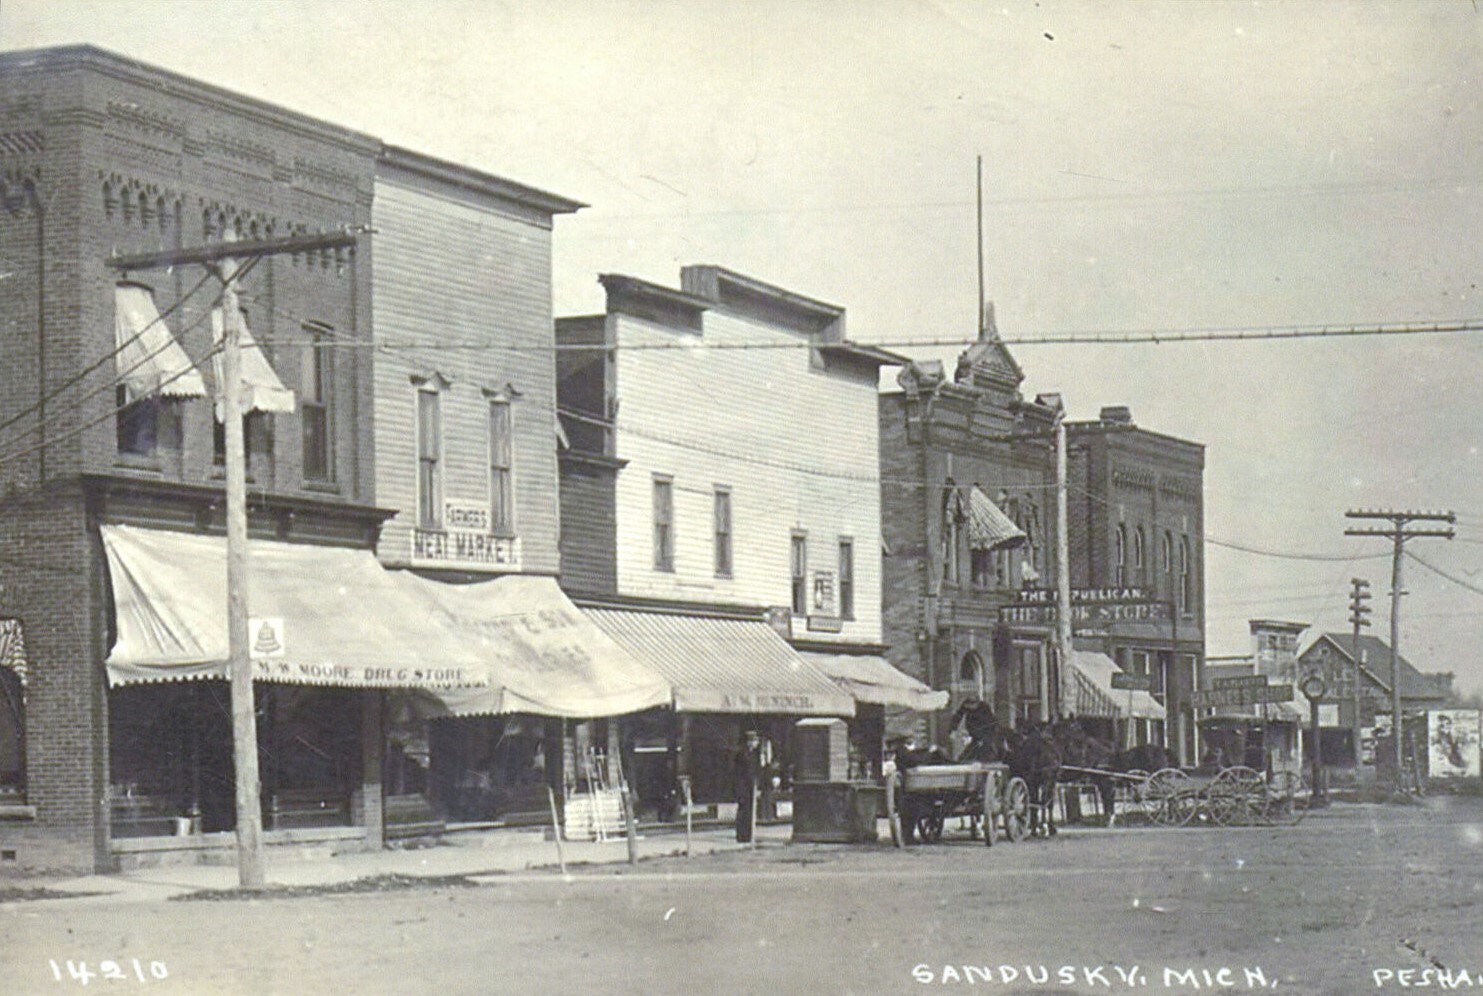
<point x="1359" y="594"/>
<point x="225" y="259"/>
<point x="1063" y="566"/>
<point x="1400" y="530"/>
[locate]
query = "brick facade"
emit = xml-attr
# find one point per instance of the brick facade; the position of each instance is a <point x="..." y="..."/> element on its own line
<point x="940" y="439"/>
<point x="104" y="157"/>
<point x="1141" y="493"/>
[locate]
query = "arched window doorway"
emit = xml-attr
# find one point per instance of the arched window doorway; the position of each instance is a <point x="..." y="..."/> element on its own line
<point x="972" y="676"/>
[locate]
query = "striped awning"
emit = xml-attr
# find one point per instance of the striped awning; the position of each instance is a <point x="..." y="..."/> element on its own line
<point x="150" y="359"/>
<point x="988" y="527"/>
<point x="723" y="664"/>
<point x="1092" y="693"/>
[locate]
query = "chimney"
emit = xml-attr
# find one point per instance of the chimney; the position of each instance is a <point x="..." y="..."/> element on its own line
<point x="1116" y="415"/>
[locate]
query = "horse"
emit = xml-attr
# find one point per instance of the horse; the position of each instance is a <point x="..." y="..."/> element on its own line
<point x="1035" y="759"/>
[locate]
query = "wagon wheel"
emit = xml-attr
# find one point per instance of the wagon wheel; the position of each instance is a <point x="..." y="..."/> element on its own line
<point x="1286" y="798"/>
<point x="1016" y="810"/>
<point x="1169" y="797"/>
<point x="1237" y="797"/>
<point x="893" y="808"/>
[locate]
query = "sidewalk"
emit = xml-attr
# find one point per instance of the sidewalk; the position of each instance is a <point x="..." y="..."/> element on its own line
<point x="459" y="854"/>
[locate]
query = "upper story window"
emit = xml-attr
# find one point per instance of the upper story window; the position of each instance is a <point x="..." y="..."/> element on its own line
<point x="153" y="369"/>
<point x="1166" y="561"/>
<point x="847" y="579"/>
<point x="722" y="502"/>
<point x="261" y="394"/>
<point x="664" y="523"/>
<point x="315" y="390"/>
<point x="1120" y="556"/>
<point x="429" y="458"/>
<point x="798" y="565"/>
<point x="952" y="517"/>
<point x="1186" y="578"/>
<point x="501" y="467"/>
<point x="1137" y="573"/>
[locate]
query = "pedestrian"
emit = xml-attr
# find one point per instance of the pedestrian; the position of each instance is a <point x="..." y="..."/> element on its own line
<point x="746" y="770"/>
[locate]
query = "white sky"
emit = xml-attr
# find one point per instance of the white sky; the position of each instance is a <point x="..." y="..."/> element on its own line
<point x="1166" y="166"/>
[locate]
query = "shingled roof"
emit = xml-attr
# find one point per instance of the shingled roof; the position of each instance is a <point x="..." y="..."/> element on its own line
<point x="1375" y="653"/>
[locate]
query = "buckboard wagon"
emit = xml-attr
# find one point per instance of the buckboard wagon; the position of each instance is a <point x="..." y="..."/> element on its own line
<point x="1234" y="796"/>
<point x="920" y="800"/>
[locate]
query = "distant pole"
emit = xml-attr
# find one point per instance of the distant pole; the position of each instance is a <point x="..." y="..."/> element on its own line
<point x="1359" y="594"/>
<point x="250" y="872"/>
<point x="1400" y="530"/>
<point x="980" y="189"/>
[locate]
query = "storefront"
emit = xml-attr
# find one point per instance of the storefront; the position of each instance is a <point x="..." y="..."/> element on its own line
<point x="331" y="631"/>
<point x="1126" y="715"/>
<point x="489" y="753"/>
<point x="879" y="691"/>
<point x="729" y="674"/>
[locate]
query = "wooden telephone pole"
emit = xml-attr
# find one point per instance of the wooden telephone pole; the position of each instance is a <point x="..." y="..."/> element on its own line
<point x="1400" y="530"/>
<point x="226" y="260"/>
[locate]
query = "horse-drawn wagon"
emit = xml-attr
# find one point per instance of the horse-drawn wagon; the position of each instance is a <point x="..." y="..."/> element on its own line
<point x="921" y="799"/>
<point x="1233" y="796"/>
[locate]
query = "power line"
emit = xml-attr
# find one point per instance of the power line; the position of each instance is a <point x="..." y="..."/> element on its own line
<point x="1475" y="589"/>
<point x="1087" y="338"/>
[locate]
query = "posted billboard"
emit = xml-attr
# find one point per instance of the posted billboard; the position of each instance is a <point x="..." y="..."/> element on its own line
<point x="1452" y="741"/>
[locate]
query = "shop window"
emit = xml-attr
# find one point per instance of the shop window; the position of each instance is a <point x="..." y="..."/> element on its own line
<point x="429" y="459"/>
<point x="501" y="468"/>
<point x="798" y="559"/>
<point x="12" y="712"/>
<point x="722" y="502"/>
<point x="318" y="375"/>
<point x="664" y="523"/>
<point x="847" y="579"/>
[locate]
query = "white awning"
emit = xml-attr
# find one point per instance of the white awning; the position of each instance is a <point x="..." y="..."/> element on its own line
<point x="322" y="616"/>
<point x="988" y="527"/>
<point x="150" y="359"/>
<point x="873" y="680"/>
<point x="545" y="657"/>
<point x="1092" y="694"/>
<point x="262" y="391"/>
<point x="728" y="665"/>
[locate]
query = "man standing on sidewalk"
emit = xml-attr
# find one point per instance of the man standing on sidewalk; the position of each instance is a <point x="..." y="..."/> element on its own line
<point x="746" y="769"/>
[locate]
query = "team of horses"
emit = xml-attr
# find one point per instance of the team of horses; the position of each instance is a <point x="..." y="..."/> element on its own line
<point x="1038" y="753"/>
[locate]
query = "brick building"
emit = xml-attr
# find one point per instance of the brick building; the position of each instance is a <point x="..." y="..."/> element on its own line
<point x="1136" y="523"/>
<point x="968" y="520"/>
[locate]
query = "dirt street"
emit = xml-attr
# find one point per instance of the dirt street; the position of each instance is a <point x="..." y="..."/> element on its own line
<point x="1355" y="899"/>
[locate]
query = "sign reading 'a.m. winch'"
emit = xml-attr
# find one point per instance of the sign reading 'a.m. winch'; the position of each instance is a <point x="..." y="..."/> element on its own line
<point x="465" y="541"/>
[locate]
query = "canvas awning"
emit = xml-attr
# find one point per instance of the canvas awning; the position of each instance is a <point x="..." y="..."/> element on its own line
<point x="1090" y="687"/>
<point x="728" y="665"/>
<point x="545" y="657"/>
<point x="320" y="616"/>
<point x="262" y="391"/>
<point x="988" y="527"/>
<point x="871" y="679"/>
<point x="150" y="359"/>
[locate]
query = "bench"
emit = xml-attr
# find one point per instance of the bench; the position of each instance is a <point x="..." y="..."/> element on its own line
<point x="411" y="816"/>
<point x="300" y="809"/>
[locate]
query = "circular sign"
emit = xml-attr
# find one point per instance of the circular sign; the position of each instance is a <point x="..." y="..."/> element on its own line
<point x="1313" y="686"/>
